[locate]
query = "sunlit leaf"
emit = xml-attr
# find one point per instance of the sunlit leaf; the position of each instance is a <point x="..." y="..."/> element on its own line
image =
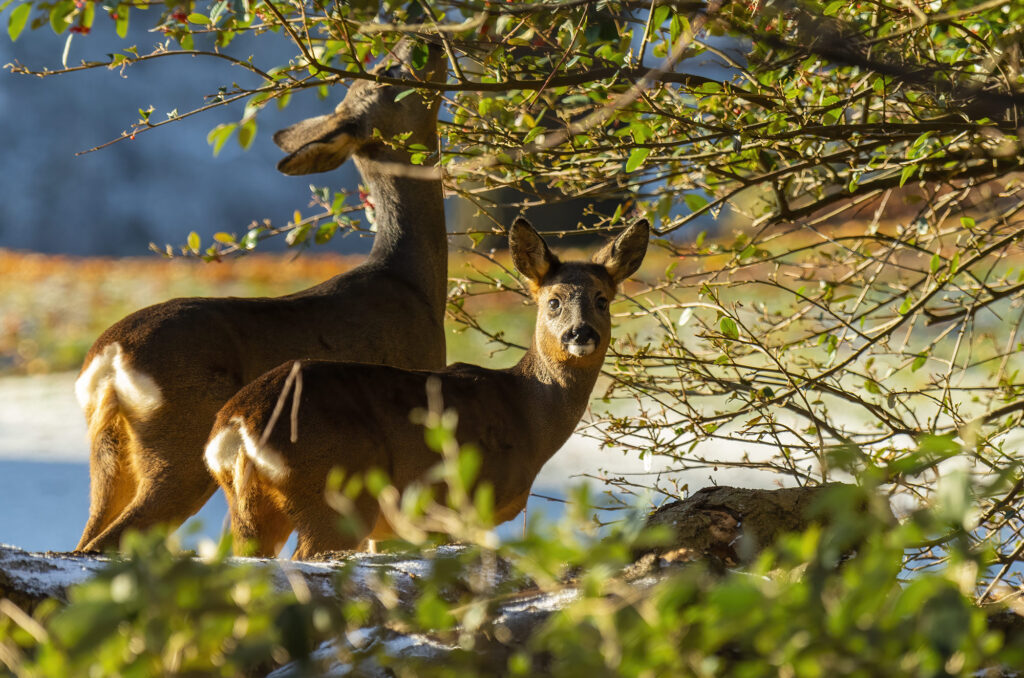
<point x="637" y="158"/>
<point x="16" y="20"/>
<point x="728" y="327"/>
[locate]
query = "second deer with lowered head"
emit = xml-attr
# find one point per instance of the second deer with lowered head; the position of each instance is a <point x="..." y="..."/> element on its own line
<point x="152" y="383"/>
<point x="357" y="417"/>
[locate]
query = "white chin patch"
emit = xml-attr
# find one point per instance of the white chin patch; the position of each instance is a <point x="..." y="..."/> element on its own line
<point x="580" y="350"/>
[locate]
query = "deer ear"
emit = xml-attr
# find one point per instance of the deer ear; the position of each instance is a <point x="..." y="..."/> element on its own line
<point x="623" y="256"/>
<point x="290" y="139"/>
<point x="317" y="144"/>
<point x="530" y="253"/>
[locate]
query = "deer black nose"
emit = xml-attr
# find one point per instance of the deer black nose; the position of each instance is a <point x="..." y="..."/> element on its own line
<point x="581" y="334"/>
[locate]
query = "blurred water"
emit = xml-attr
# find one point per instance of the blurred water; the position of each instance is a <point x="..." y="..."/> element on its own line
<point x="157" y="187"/>
<point x="43" y="507"/>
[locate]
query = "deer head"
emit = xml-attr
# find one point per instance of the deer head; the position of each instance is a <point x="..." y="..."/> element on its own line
<point x="573" y="321"/>
<point x="369" y="118"/>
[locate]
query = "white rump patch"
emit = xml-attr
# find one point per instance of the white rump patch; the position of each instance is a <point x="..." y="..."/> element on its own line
<point x="222" y="453"/>
<point x="580" y="350"/>
<point x="136" y="392"/>
<point x="268" y="461"/>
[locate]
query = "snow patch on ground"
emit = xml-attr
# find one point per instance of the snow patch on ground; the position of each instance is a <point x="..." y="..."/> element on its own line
<point x="46" y="577"/>
<point x="542" y="602"/>
<point x="40" y="419"/>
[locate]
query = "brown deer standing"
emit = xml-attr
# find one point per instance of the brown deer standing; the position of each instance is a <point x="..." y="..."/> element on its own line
<point x="152" y="383"/>
<point x="356" y="417"/>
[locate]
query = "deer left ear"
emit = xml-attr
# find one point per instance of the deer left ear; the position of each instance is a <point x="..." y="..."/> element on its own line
<point x="623" y="256"/>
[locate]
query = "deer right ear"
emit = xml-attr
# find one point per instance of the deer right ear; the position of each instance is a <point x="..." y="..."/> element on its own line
<point x="530" y="253"/>
<point x="315" y="145"/>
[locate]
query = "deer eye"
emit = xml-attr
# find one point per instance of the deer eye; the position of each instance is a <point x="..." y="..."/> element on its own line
<point x="601" y="303"/>
<point x="554" y="304"/>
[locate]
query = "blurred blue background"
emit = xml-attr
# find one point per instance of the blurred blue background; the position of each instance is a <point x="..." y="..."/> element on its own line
<point x="157" y="187"/>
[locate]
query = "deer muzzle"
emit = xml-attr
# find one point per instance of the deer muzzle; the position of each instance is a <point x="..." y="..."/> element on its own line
<point x="580" y="341"/>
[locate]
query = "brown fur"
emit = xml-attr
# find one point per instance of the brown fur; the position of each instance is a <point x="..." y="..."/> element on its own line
<point x="146" y="466"/>
<point x="356" y="417"/>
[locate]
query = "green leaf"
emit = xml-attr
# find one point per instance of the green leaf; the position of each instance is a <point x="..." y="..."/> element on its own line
<point x="695" y="201"/>
<point x="251" y="238"/>
<point x="954" y="264"/>
<point x="404" y="93"/>
<point x="477" y="238"/>
<point x="432" y="612"/>
<point x="193" y="242"/>
<point x="220" y="134"/>
<point x="907" y="172"/>
<point x="908" y="301"/>
<point x="833" y="7"/>
<point x="728" y="327"/>
<point x="59" y="16"/>
<point x="325" y="232"/>
<point x="419" y="56"/>
<point x="246" y="133"/>
<point x="225" y="238"/>
<point x="936" y="263"/>
<point x="197" y="18"/>
<point x="640" y="132"/>
<point x="122" y="20"/>
<point x="16" y="21"/>
<point x="660" y="14"/>
<point x="636" y="158"/>
<point x="919" y="361"/>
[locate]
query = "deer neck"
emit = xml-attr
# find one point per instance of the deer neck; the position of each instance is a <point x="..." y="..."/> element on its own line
<point x="557" y="394"/>
<point x="411" y="239"/>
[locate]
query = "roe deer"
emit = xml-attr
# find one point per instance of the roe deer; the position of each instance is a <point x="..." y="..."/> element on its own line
<point x="356" y="417"/>
<point x="152" y="383"/>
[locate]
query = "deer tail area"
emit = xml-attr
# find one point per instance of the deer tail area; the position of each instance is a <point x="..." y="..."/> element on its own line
<point x="235" y="458"/>
<point x="112" y="394"/>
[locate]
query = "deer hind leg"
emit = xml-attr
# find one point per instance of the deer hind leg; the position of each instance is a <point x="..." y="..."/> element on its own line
<point x="111" y="478"/>
<point x="165" y="493"/>
<point x="111" y="489"/>
<point x="259" y="525"/>
<point x="320" y="526"/>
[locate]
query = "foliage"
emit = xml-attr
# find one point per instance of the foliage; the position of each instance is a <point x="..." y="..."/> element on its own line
<point x="831" y="601"/>
<point x="158" y="612"/>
